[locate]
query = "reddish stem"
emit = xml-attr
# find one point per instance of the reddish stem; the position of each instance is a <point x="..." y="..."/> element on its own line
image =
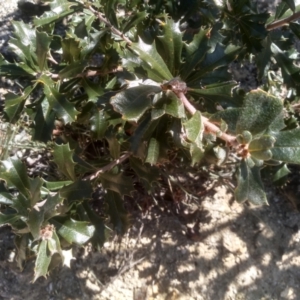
<point x="209" y="127"/>
<point x="109" y="166"/>
<point x="283" y="22"/>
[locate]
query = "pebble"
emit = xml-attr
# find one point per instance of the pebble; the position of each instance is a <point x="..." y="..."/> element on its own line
<point x="288" y="293"/>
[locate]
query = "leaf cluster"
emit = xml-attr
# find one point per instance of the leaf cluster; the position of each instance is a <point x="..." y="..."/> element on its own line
<point x="127" y="88"/>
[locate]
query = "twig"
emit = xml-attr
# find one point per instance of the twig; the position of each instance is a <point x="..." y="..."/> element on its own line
<point x="283" y="22"/>
<point x="50" y="58"/>
<point x="111" y="27"/>
<point x="212" y="128"/>
<point x="296" y="106"/>
<point x="109" y="166"/>
<point x="209" y="127"/>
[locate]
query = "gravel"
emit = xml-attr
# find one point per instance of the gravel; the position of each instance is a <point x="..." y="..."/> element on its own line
<point x="8" y="12"/>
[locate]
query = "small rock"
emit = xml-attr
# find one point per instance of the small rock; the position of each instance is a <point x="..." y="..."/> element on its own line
<point x="155" y="289"/>
<point x="92" y="286"/>
<point x="288" y="293"/>
<point x="233" y="243"/>
<point x="229" y="260"/>
<point x="11" y="257"/>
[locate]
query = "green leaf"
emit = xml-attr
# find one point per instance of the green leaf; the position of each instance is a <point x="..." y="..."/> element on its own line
<point x="93" y="90"/>
<point x="284" y="15"/>
<point x="35" y="221"/>
<point x="63" y="157"/>
<point x="244" y="138"/>
<point x="55" y="185"/>
<point x="133" y="102"/>
<point x="142" y="133"/>
<point x="110" y="8"/>
<point x="132" y="63"/>
<point x="21" y="243"/>
<point x="261" y="146"/>
<point x="260" y="109"/>
<point x="295" y="27"/>
<point x="262" y="154"/>
<point x="194" y="129"/>
<point x="71" y="50"/>
<point x="92" y="43"/>
<point x="14" y="172"/>
<point x="43" y="122"/>
<point x="249" y="185"/>
<point x="222" y="56"/>
<point x="230" y="116"/>
<point x="152" y="60"/>
<point x="218" y="93"/>
<point x="117" y="183"/>
<point x="74" y="69"/>
<point x="68" y="86"/>
<point x="263" y="57"/>
<point x="24" y="43"/>
<point x="287" y="146"/>
<point x="281" y="9"/>
<point x="171" y="105"/>
<point x="135" y="18"/>
<point x="216" y="154"/>
<point x="281" y="174"/>
<point x="78" y="190"/>
<point x="214" y="35"/>
<point x="218" y="75"/>
<point x="80" y="29"/>
<point x="195" y="52"/>
<point x="99" y="235"/>
<point x="8" y="219"/>
<point x="59" y="10"/>
<point x="14" y="104"/>
<point x="172" y="45"/>
<point x="35" y="190"/>
<point x="73" y="231"/>
<point x="15" y="70"/>
<point x="252" y="27"/>
<point x="111" y="83"/>
<point x="99" y="124"/>
<point x="290" y="72"/>
<point x="50" y="208"/>
<point x="42" y="261"/>
<point x="58" y="102"/>
<point x="54" y="244"/>
<point x="291" y="4"/>
<point x="144" y="171"/>
<point x="113" y="143"/>
<point x="278" y="124"/>
<point x="42" y="48"/>
<point x="22" y="205"/>
<point x="153" y="151"/>
<point x="196" y="153"/>
<point x="116" y="211"/>
<point x="6" y="198"/>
